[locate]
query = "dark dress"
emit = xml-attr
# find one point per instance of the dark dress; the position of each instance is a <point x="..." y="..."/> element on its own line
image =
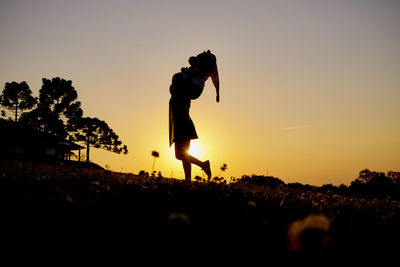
<point x="186" y="85"/>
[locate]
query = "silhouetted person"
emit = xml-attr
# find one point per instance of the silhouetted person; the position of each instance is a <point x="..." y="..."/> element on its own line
<point x="187" y="85"/>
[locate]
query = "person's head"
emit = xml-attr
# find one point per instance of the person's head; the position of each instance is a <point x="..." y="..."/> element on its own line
<point x="206" y="63"/>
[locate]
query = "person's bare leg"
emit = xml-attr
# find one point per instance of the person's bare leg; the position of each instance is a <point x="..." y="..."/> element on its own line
<point x="187" y="165"/>
<point x="181" y="153"/>
<point x="187" y="168"/>
<point x="204" y="165"/>
<point x="196" y="161"/>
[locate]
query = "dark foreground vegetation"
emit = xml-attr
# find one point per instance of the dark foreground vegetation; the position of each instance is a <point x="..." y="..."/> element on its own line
<point x="69" y="212"/>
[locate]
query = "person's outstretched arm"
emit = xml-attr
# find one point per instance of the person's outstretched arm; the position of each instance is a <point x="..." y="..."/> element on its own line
<point x="215" y="80"/>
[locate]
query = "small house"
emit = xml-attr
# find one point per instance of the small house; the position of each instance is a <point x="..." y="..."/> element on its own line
<point x="25" y="144"/>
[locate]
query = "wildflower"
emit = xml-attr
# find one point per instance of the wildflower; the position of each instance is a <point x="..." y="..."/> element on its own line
<point x="179" y="220"/>
<point x="251" y="204"/>
<point x="308" y="234"/>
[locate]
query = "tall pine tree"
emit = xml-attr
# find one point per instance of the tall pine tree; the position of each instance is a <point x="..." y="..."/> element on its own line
<point x="17" y="97"/>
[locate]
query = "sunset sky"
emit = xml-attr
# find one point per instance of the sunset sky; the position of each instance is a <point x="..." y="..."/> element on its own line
<point x="310" y="90"/>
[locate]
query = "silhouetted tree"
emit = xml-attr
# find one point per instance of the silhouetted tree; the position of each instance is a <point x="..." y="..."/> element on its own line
<point x="328" y="187"/>
<point x="261" y="180"/>
<point x="17" y="97"/>
<point x="375" y="184"/>
<point x="395" y="176"/>
<point x="343" y="189"/>
<point x="57" y="111"/>
<point x="97" y="133"/>
<point x="367" y="176"/>
<point x="364" y="176"/>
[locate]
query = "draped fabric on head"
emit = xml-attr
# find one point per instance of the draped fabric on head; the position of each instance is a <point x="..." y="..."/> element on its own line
<point x="206" y="62"/>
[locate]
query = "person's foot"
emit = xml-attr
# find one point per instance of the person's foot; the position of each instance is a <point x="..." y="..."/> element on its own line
<point x="206" y="168"/>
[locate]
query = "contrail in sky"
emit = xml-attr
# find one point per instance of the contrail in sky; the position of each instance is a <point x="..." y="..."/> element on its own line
<point x="297" y="127"/>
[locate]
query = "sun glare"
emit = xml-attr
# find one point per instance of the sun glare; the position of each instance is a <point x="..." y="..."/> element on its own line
<point x="195" y="149"/>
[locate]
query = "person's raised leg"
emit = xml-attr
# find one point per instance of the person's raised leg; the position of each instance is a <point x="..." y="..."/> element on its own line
<point x="204" y="165"/>
<point x="181" y="153"/>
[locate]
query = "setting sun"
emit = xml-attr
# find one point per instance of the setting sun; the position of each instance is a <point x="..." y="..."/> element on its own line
<point x="195" y="149"/>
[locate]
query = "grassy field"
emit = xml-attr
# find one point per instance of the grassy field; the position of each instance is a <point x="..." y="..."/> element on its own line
<point x="75" y="211"/>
